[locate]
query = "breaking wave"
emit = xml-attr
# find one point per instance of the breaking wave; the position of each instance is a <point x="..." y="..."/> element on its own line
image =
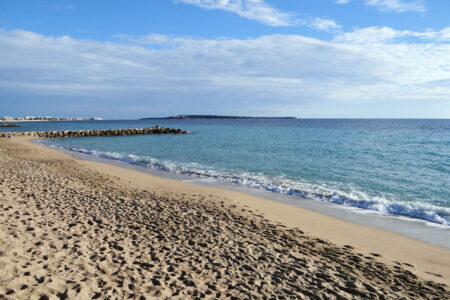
<point x="323" y="192"/>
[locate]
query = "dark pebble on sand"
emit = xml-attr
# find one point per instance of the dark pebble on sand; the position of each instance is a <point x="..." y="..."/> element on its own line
<point x="62" y="296"/>
<point x="9" y="292"/>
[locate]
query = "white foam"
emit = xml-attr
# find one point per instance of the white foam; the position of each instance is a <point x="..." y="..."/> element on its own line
<point x="322" y="192"/>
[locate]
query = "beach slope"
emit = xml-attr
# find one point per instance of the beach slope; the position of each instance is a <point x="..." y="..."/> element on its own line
<point x="86" y="230"/>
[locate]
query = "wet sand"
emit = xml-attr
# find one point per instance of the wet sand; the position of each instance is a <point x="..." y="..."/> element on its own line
<point x="86" y="230"/>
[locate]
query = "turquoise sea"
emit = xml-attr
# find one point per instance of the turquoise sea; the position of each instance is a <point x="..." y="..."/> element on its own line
<point x="401" y="167"/>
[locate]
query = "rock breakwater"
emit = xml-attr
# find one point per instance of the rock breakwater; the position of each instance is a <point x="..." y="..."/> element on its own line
<point x="9" y="125"/>
<point x="94" y="132"/>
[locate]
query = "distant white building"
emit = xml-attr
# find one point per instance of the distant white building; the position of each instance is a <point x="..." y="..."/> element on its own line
<point x="6" y="118"/>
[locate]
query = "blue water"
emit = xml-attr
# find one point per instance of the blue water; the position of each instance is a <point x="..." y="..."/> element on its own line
<point x="396" y="166"/>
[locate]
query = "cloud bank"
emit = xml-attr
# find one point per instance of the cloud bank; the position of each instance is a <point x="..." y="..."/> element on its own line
<point x="255" y="75"/>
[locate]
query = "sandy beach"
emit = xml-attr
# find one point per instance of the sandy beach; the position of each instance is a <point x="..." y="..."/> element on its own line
<point x="79" y="229"/>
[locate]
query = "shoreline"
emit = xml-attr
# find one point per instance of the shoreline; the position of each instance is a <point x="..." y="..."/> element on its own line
<point x="419" y="229"/>
<point x="365" y="238"/>
<point x="327" y="243"/>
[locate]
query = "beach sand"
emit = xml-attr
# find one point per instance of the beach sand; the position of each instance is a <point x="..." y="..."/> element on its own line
<point x="86" y="230"/>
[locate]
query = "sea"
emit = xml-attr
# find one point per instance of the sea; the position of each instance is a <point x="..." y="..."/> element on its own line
<point x="397" y="167"/>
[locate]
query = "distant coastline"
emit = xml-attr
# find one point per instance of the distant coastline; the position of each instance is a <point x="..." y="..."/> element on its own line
<point x="45" y="119"/>
<point x="183" y="117"/>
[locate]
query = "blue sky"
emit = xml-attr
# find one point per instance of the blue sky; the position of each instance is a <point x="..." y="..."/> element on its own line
<point x="304" y="58"/>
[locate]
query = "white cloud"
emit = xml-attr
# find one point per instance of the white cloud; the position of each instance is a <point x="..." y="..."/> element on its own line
<point x="371" y="35"/>
<point x="377" y="34"/>
<point x="257" y="10"/>
<point x="277" y="70"/>
<point x="397" y="6"/>
<point x="324" y="24"/>
<point x="444" y="34"/>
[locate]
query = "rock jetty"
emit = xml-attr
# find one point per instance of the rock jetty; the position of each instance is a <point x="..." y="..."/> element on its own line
<point x="9" y="125"/>
<point x="94" y="132"/>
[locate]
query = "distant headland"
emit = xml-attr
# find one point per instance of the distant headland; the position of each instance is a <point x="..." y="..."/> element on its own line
<point x="183" y="117"/>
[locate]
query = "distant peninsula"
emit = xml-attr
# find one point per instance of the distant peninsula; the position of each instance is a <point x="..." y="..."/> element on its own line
<point x="190" y="117"/>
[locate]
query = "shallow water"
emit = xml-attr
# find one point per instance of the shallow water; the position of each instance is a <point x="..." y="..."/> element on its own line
<point x="397" y="166"/>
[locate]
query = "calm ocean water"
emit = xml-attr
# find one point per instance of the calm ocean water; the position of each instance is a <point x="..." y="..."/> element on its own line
<point x="396" y="166"/>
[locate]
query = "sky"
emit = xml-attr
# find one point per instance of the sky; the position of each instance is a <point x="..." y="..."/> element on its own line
<point x="127" y="59"/>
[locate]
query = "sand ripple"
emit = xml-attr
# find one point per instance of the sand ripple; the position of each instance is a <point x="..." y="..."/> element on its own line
<point x="69" y="232"/>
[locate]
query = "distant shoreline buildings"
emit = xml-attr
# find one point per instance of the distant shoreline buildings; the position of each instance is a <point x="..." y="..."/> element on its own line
<point x="46" y="118"/>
